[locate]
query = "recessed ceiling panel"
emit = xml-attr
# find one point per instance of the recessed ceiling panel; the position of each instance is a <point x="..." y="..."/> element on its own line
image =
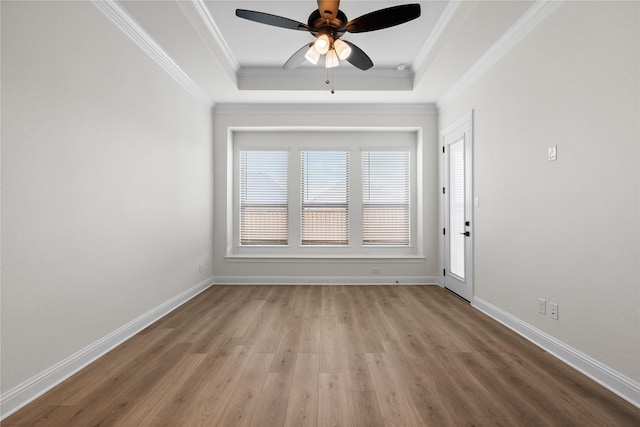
<point x="256" y="45"/>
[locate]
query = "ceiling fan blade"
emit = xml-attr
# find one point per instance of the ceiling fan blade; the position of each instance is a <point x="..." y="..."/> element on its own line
<point x="358" y="58"/>
<point x="384" y="18"/>
<point x="297" y="59"/>
<point x="273" y="20"/>
<point x="328" y="8"/>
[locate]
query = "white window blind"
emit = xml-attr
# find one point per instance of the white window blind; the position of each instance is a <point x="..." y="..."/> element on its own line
<point x="325" y="197"/>
<point x="386" y="194"/>
<point x="264" y="212"/>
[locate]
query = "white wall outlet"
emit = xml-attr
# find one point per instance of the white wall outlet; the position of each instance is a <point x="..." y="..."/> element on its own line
<point x="553" y="310"/>
<point x="542" y="306"/>
<point x="476" y="202"/>
<point x="375" y="271"/>
<point x="552" y="153"/>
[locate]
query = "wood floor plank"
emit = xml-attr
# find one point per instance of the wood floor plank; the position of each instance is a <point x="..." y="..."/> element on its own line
<point x="143" y="412"/>
<point x="314" y="302"/>
<point x="260" y="325"/>
<point x="244" y="398"/>
<point x="311" y="336"/>
<point x="107" y="404"/>
<point x="365" y="411"/>
<point x="200" y="399"/>
<point x="301" y="296"/>
<point x="208" y="324"/>
<point x="274" y="399"/>
<point x="344" y="307"/>
<point x="328" y="301"/>
<point x="288" y="346"/>
<point x="302" y="408"/>
<point x="395" y="408"/>
<point x="427" y="398"/>
<point x="366" y="311"/>
<point x="70" y="393"/>
<point x="247" y="316"/>
<point x="383" y="325"/>
<point x="403" y="326"/>
<point x="358" y="376"/>
<point x="329" y="356"/>
<point x="332" y="357"/>
<point x="460" y="387"/>
<point x="500" y="390"/>
<point x="334" y="404"/>
<point x="210" y="402"/>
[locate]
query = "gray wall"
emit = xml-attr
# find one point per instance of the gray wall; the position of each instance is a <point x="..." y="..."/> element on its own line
<point x="568" y="230"/>
<point x="106" y="184"/>
<point x="318" y="271"/>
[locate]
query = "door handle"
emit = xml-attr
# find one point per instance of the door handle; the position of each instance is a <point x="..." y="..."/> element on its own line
<point x="466" y="233"/>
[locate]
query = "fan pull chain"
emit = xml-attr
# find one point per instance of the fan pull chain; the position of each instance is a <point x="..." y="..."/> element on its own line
<point x="330" y="80"/>
<point x="332" y="91"/>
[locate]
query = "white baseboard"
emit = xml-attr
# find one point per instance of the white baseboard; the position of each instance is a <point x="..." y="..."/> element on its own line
<point x="619" y="384"/>
<point x="33" y="388"/>
<point x="326" y="280"/>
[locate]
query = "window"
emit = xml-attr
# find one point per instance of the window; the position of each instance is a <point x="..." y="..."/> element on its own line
<point x="264" y="212"/>
<point x="325" y="197"/>
<point x="317" y="194"/>
<point x="385" y="198"/>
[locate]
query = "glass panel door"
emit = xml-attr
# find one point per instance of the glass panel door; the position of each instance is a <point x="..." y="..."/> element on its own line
<point x="456" y="208"/>
<point x="457" y="192"/>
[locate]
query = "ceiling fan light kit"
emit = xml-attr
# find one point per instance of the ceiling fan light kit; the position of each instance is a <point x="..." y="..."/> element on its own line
<point x="322" y="44"/>
<point x="312" y="55"/>
<point x="327" y="24"/>
<point x="332" y="59"/>
<point x="342" y="49"/>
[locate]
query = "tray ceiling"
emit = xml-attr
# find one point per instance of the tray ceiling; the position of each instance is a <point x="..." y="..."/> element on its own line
<point x="238" y="61"/>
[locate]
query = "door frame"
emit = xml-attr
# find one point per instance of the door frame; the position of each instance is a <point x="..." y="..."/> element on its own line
<point x="465" y="125"/>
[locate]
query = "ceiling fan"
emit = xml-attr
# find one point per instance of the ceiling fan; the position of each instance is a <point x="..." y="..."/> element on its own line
<point x="327" y="24"/>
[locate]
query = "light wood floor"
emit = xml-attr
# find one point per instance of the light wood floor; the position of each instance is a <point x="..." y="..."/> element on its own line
<point x="327" y="356"/>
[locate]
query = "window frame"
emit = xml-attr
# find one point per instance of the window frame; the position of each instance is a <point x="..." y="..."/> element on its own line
<point x="408" y="203"/>
<point x="240" y="198"/>
<point x="355" y="144"/>
<point x="301" y="188"/>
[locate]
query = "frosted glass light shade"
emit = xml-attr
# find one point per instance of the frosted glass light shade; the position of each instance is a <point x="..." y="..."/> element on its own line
<point x="322" y="44"/>
<point x="332" y="59"/>
<point x="312" y="55"/>
<point x="342" y="49"/>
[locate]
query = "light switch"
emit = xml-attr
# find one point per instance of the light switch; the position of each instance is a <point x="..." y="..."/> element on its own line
<point x="553" y="152"/>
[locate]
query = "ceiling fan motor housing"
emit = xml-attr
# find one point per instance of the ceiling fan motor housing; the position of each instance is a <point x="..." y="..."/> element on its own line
<point x="333" y="27"/>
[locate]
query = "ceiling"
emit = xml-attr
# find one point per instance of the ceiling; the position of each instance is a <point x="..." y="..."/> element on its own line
<point x="257" y="45"/>
<point x="233" y="60"/>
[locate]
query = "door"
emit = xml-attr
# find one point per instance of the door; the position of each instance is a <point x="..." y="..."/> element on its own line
<point x="457" y="193"/>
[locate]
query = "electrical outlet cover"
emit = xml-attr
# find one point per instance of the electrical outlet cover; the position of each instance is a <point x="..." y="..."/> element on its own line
<point x="553" y="310"/>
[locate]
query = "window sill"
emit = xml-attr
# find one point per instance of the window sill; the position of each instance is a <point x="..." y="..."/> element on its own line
<point x="323" y="258"/>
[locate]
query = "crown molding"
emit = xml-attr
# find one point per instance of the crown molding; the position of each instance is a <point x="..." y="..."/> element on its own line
<point x="519" y="30"/>
<point x="116" y="14"/>
<point x="340" y="109"/>
<point x="204" y="13"/>
<point x="434" y="36"/>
